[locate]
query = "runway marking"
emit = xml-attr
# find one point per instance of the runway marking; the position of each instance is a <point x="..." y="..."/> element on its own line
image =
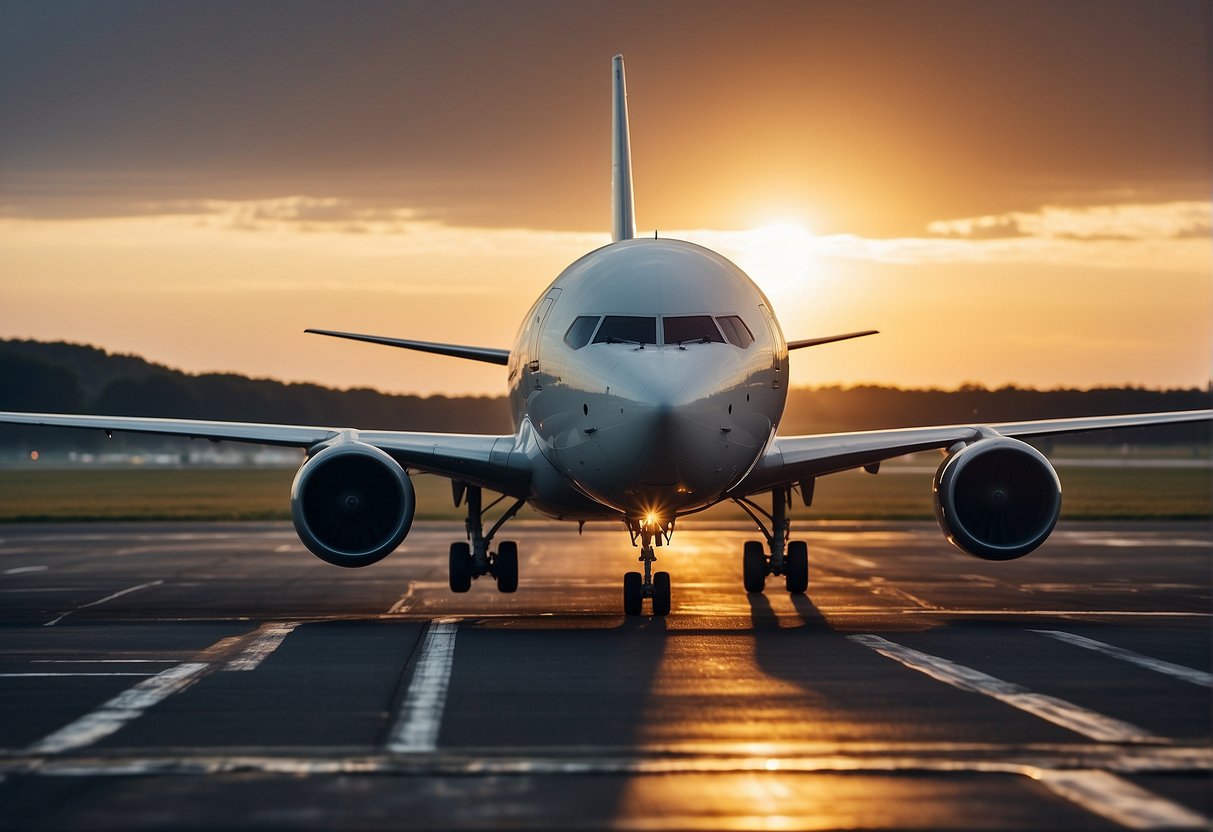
<point x="117" y="594"/>
<point x="269" y="637"/>
<point x="117" y="712"/>
<point x="404" y="601"/>
<point x="420" y="717"/>
<point x="103" y="661"/>
<point x="1050" y="708"/>
<point x="1187" y="674"/>
<point x="24" y="570"/>
<point x="1120" y="801"/>
<point x="70" y="673"/>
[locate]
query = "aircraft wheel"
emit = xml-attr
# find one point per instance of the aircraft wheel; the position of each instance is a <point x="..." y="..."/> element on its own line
<point x="661" y="593"/>
<point x="754" y="566"/>
<point x="461" y="567"/>
<point x="633" y="593"/>
<point x="507" y="566"/>
<point x="798" y="567"/>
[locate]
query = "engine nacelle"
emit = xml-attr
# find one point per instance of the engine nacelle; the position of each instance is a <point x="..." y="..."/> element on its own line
<point x="352" y="504"/>
<point x="997" y="499"/>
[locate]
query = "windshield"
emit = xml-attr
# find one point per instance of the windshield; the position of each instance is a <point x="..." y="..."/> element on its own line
<point x="627" y="329"/>
<point x="736" y="331"/>
<point x="691" y="329"/>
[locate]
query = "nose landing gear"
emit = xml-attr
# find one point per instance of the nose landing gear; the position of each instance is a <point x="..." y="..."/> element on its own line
<point x="655" y="586"/>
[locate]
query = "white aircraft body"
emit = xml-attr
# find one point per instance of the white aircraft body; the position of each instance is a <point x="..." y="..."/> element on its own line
<point x="646" y="383"/>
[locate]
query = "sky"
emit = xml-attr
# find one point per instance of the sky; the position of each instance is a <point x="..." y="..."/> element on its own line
<point x="1012" y="192"/>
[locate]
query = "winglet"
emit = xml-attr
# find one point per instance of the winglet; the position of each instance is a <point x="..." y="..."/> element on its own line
<point x="623" y="213"/>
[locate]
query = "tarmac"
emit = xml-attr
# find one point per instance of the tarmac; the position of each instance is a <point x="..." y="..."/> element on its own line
<point x="203" y="676"/>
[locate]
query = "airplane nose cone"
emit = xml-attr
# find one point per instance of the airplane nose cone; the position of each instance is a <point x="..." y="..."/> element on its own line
<point x="665" y="447"/>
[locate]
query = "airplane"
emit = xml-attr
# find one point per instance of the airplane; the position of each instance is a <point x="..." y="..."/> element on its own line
<point x="646" y="384"/>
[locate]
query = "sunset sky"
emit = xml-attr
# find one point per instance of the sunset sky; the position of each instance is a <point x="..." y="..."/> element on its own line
<point x="1012" y="192"/>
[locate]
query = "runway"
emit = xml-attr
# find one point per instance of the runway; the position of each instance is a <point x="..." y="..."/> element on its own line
<point x="218" y="676"/>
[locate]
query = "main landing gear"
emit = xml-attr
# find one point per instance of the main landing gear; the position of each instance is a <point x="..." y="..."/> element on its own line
<point x="471" y="559"/>
<point x="636" y="588"/>
<point x="789" y="558"/>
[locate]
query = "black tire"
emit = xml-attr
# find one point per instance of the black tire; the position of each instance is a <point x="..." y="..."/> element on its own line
<point x="754" y="566"/>
<point x="798" y="567"/>
<point x="633" y="593"/>
<point x="507" y="566"/>
<point x="661" y="593"/>
<point x="461" y="567"/>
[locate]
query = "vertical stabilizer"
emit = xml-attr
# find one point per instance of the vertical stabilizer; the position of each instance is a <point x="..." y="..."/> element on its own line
<point x="623" y="214"/>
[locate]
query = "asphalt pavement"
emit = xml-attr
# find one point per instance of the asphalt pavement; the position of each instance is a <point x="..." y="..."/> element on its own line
<point x="202" y="676"/>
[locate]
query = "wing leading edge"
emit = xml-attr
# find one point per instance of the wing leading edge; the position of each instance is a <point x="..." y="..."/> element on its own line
<point x="488" y="355"/>
<point x="791" y="459"/>
<point x="480" y="459"/>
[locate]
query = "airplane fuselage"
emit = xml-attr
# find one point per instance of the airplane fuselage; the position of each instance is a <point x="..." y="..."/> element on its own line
<point x="652" y="375"/>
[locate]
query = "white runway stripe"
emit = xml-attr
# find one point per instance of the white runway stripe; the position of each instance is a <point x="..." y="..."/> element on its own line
<point x="269" y="637"/>
<point x="117" y="594"/>
<point x="1188" y="674"/>
<point x="69" y="673"/>
<point x="1120" y="801"/>
<point x="1049" y="708"/>
<point x="420" y="718"/>
<point x="126" y="706"/>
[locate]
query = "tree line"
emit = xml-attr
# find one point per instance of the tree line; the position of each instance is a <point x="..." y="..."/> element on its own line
<point x="71" y="378"/>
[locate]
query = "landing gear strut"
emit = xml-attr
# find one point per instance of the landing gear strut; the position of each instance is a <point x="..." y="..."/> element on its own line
<point x="789" y="558"/>
<point x="471" y="559"/>
<point x="655" y="586"/>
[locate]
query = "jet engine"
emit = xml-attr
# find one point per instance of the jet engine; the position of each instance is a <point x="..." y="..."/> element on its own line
<point x="352" y="504"/>
<point x="997" y="499"/>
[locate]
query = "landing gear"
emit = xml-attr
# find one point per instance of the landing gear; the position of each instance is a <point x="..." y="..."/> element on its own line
<point x="472" y="559"/>
<point x="461" y="567"/>
<point x="754" y="566"/>
<point x="637" y="587"/>
<point x="789" y="558"/>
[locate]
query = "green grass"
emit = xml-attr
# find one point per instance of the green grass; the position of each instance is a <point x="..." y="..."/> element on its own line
<point x="86" y="494"/>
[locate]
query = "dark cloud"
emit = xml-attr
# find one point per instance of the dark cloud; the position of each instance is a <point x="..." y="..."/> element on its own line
<point x="888" y="114"/>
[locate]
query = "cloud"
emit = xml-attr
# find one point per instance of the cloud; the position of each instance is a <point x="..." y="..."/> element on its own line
<point x="1129" y="221"/>
<point x="1166" y="236"/>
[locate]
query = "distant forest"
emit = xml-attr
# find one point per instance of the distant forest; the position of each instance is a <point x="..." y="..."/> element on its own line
<point x="71" y="378"/>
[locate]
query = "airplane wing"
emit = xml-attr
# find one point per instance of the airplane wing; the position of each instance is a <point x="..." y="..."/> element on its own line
<point x="488" y="355"/>
<point x="829" y="339"/>
<point x="791" y="459"/>
<point x="480" y="459"/>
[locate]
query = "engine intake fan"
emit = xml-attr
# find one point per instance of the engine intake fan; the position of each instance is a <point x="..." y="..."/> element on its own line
<point x="352" y="504"/>
<point x="997" y="499"/>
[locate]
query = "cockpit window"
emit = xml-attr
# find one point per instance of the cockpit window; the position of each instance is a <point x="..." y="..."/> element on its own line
<point x="691" y="329"/>
<point x="581" y="330"/>
<point x="735" y="330"/>
<point x="627" y="329"/>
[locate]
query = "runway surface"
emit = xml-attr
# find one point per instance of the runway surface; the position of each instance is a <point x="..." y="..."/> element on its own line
<point x="218" y="676"/>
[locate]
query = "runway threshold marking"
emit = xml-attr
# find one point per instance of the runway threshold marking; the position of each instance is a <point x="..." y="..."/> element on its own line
<point x="1178" y="671"/>
<point x="1050" y="708"/>
<point x="269" y="637"/>
<point x="117" y="594"/>
<point x="117" y="712"/>
<point x="420" y="717"/>
<point x="1119" y="800"/>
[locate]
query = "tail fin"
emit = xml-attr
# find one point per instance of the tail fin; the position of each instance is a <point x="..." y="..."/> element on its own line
<point x="623" y="214"/>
